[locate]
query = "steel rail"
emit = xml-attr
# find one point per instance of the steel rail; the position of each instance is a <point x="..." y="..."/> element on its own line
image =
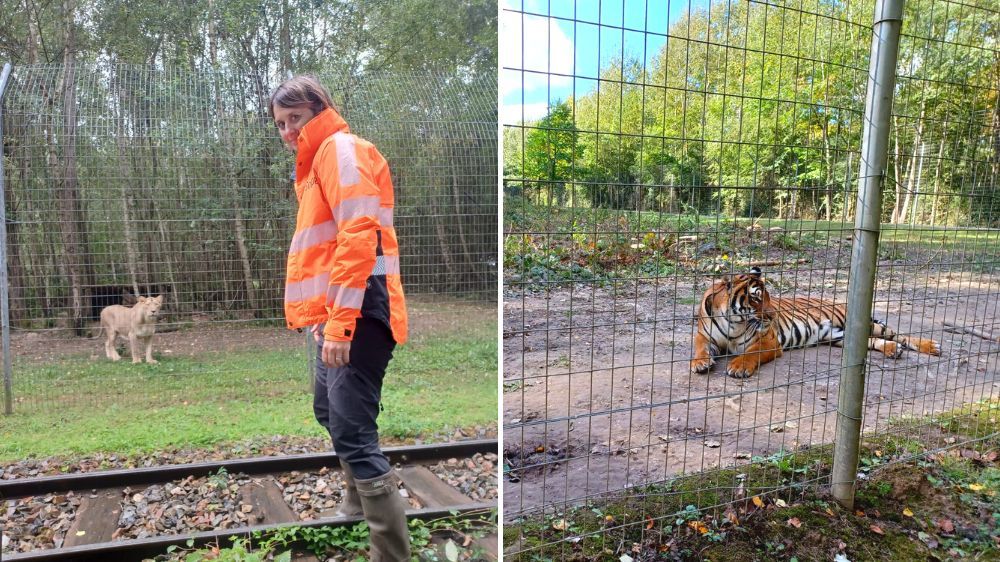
<point x="137" y="549"/>
<point x="415" y="454"/>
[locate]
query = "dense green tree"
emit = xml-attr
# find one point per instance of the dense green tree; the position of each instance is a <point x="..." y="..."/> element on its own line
<point x="756" y="109"/>
<point x="552" y="152"/>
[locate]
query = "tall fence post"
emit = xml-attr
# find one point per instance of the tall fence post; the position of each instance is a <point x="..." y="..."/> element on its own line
<point x="861" y="287"/>
<point x="8" y="386"/>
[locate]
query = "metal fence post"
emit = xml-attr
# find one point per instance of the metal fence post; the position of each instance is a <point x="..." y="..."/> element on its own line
<point x="8" y="386"/>
<point x="861" y="287"/>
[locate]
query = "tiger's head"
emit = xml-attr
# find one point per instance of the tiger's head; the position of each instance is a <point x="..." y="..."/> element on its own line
<point x="748" y="299"/>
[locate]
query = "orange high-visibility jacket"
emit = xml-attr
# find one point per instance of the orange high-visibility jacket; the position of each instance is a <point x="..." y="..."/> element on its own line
<point x="343" y="262"/>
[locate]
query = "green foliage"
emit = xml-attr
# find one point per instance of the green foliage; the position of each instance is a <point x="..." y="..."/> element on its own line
<point x="242" y="550"/>
<point x="257" y="35"/>
<point x="351" y="541"/>
<point x="551" y="152"/>
<point x="728" y="118"/>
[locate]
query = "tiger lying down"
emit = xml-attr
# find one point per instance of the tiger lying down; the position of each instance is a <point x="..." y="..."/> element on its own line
<point x="738" y="317"/>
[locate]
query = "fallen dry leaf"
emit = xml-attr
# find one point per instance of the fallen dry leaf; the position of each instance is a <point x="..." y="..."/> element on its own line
<point x="876" y="529"/>
<point x="945" y="525"/>
<point x="758" y="502"/>
<point x="907" y="512"/>
<point x="794" y="522"/>
<point x="649" y="522"/>
<point x="970" y="454"/>
<point x="699" y="526"/>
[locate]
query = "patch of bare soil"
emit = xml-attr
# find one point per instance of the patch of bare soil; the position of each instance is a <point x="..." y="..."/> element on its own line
<point x="598" y="395"/>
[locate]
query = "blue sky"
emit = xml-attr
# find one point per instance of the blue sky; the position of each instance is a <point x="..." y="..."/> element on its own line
<point x="603" y="31"/>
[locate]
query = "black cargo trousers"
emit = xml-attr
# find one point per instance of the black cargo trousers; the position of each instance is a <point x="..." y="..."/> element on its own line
<point x="346" y="399"/>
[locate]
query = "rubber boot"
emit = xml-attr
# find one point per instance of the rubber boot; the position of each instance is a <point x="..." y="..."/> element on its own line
<point x="385" y="511"/>
<point x="351" y="504"/>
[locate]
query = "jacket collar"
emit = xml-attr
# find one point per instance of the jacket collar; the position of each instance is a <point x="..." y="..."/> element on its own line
<point x="318" y="129"/>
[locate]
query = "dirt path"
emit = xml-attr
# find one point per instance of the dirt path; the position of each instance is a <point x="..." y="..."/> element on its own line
<point x="598" y="394"/>
<point x="427" y="317"/>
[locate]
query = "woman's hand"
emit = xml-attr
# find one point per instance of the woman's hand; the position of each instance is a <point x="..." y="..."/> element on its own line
<point x="336" y="353"/>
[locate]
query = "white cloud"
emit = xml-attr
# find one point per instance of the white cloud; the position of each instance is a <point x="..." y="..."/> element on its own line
<point x="514" y="113"/>
<point x="545" y="48"/>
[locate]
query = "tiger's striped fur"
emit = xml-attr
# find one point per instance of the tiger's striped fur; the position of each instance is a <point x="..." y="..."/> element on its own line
<point x="737" y="316"/>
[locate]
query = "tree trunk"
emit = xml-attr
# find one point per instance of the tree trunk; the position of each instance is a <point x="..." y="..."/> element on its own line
<point x="71" y="214"/>
<point x="231" y="181"/>
<point x="460" y="220"/>
<point x="168" y="257"/>
<point x="897" y="173"/>
<point x="15" y="269"/>
<point x="128" y="202"/>
<point x="440" y="212"/>
<point x="286" y="39"/>
<point x="442" y="239"/>
<point x="828" y="157"/>
<point x="937" y="182"/>
<point x="911" y="170"/>
<point x="33" y="34"/>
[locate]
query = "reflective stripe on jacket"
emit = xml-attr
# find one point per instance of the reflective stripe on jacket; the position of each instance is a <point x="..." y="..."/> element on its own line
<point x="343" y="262"/>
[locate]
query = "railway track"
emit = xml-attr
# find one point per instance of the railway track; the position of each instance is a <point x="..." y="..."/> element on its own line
<point x="92" y="536"/>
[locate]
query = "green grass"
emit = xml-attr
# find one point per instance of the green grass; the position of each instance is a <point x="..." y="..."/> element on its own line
<point x="78" y="405"/>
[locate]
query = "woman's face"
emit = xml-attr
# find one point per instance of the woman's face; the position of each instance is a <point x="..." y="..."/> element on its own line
<point x="290" y="121"/>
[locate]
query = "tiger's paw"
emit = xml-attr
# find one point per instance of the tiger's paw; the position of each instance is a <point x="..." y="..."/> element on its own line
<point x="928" y="346"/>
<point x="892" y="349"/>
<point x="741" y="368"/>
<point x="702" y="365"/>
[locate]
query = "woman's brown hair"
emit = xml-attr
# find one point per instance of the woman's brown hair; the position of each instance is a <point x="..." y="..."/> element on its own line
<point x="300" y="90"/>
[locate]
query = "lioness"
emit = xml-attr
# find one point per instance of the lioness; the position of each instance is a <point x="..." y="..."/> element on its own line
<point x="137" y="322"/>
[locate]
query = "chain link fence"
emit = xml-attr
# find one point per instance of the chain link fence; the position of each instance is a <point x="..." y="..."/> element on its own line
<point x="650" y="148"/>
<point x="121" y="181"/>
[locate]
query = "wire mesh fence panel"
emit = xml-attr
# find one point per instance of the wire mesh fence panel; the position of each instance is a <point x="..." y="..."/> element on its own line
<point x="941" y="242"/>
<point x="658" y="153"/>
<point x="124" y="181"/>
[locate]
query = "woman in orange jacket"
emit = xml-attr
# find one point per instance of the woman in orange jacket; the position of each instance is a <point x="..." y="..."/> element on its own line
<point x="343" y="283"/>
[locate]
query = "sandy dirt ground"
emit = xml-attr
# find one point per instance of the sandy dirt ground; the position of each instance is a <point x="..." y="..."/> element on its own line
<point x="428" y="318"/>
<point x="598" y="395"/>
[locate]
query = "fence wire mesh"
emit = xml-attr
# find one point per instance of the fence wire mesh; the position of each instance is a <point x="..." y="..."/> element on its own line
<point x="133" y="180"/>
<point x="652" y="147"/>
